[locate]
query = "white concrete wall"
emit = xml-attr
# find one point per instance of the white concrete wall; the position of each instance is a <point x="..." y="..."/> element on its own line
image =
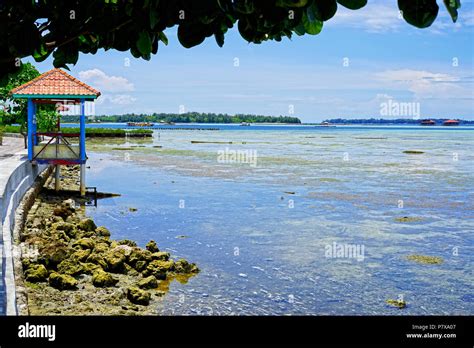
<point x="17" y="175"/>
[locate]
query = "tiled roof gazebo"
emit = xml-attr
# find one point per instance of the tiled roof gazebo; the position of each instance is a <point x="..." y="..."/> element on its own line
<point x="59" y="88"/>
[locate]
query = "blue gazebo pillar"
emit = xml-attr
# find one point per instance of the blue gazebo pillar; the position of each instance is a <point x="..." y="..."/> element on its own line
<point x="31" y="126"/>
<point x="82" y="147"/>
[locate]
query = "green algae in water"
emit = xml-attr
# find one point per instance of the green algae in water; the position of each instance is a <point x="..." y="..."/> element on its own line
<point x="413" y="152"/>
<point x="426" y="260"/>
<point x="397" y="303"/>
<point x="408" y="219"/>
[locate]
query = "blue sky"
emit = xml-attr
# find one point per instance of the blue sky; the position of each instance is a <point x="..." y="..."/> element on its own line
<point x="361" y="61"/>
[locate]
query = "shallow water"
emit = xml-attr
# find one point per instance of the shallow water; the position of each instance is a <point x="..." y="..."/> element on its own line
<point x="259" y="231"/>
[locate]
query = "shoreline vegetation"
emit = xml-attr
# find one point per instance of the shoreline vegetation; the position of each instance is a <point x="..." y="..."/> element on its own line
<point x="398" y="121"/>
<point x="188" y="117"/>
<point x="70" y="266"/>
<point x="96" y="132"/>
<point x="210" y="118"/>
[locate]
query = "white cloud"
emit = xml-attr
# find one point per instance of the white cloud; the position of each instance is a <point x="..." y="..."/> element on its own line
<point x="105" y="83"/>
<point x="122" y="99"/>
<point x="119" y="99"/>
<point x="425" y="84"/>
<point x="374" y="17"/>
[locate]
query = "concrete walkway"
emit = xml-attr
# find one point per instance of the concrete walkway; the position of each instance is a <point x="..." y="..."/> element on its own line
<point x="17" y="175"/>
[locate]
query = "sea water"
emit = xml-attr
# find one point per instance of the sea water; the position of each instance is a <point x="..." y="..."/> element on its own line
<point x="299" y="220"/>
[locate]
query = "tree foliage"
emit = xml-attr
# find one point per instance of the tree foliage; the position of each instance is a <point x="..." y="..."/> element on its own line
<point x="14" y="111"/>
<point x="63" y="29"/>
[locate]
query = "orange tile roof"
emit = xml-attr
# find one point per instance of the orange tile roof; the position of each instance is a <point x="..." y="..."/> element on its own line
<point x="55" y="82"/>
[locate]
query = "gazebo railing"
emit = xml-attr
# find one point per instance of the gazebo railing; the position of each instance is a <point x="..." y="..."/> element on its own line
<point x="57" y="150"/>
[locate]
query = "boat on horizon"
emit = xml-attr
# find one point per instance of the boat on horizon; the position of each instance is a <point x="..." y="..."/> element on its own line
<point x="427" y="123"/>
<point x="325" y="124"/>
<point x="451" y="123"/>
<point x="246" y="124"/>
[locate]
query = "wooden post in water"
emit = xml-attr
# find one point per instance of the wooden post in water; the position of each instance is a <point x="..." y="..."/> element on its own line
<point x="57" y="183"/>
<point x="83" y="180"/>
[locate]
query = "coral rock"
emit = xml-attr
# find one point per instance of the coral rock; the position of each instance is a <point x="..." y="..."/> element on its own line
<point x="138" y="296"/>
<point x="36" y="273"/>
<point x="148" y="283"/>
<point x="62" y="281"/>
<point x="102" y="279"/>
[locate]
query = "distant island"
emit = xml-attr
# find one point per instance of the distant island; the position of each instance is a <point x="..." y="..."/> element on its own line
<point x="201" y="117"/>
<point x="408" y="121"/>
<point x="188" y="117"/>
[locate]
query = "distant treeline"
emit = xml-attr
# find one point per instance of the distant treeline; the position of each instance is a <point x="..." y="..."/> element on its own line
<point x="189" y="117"/>
<point x="393" y="121"/>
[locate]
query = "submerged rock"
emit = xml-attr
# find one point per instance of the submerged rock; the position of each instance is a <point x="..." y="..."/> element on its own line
<point x="36" y="273"/>
<point x="152" y="247"/>
<point x="62" y="281"/>
<point x="102" y="279"/>
<point x="413" y="152"/>
<point x="408" y="219"/>
<point x="400" y="304"/>
<point x="138" y="296"/>
<point x="148" y="283"/>
<point x="424" y="259"/>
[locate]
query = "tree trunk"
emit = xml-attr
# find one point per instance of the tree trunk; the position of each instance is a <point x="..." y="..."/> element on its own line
<point x="25" y="135"/>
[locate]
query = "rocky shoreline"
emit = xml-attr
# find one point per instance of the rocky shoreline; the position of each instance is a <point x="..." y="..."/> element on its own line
<point x="70" y="266"/>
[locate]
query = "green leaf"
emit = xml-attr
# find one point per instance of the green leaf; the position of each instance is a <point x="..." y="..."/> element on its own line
<point x="246" y="31"/>
<point x="353" y="4"/>
<point x="244" y="6"/>
<point x="154" y="19"/>
<point x="311" y="24"/>
<point x="291" y="3"/>
<point x="163" y="38"/>
<point x="219" y="35"/>
<point x="420" y="13"/>
<point x="452" y="7"/>
<point x="144" y="43"/>
<point x="41" y="54"/>
<point x="324" y="9"/>
<point x="300" y="29"/>
<point x="65" y="55"/>
<point x="190" y="35"/>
